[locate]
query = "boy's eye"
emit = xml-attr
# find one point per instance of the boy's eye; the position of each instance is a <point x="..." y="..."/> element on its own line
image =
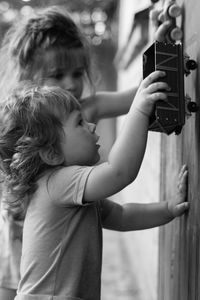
<point x="81" y="122"/>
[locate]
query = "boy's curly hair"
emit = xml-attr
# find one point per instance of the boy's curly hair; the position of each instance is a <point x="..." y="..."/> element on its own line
<point x="30" y="120"/>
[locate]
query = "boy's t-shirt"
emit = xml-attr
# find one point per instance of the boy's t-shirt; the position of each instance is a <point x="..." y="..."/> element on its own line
<point x="10" y="246"/>
<point x="10" y="250"/>
<point x="62" y="240"/>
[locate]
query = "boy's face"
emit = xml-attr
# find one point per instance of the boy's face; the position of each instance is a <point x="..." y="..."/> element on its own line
<point x="79" y="141"/>
<point x="67" y="75"/>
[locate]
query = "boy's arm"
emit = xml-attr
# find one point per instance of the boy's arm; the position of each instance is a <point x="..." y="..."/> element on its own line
<point x="127" y="152"/>
<point x="108" y="104"/>
<point x="136" y="216"/>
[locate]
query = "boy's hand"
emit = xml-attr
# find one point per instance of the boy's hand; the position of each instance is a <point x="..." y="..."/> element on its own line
<point x="179" y="206"/>
<point x="149" y="92"/>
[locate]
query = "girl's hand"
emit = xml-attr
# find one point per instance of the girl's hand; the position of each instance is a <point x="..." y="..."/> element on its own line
<point x="179" y="206"/>
<point x="160" y="24"/>
<point x="149" y="92"/>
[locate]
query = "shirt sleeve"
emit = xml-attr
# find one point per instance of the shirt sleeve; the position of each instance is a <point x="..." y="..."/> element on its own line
<point x="66" y="186"/>
<point x="106" y="205"/>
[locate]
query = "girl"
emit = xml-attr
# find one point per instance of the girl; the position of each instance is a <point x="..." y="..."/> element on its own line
<point x="49" y="48"/>
<point x="48" y="152"/>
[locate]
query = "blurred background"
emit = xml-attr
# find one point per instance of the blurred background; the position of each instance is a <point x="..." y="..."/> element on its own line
<point x="119" y="32"/>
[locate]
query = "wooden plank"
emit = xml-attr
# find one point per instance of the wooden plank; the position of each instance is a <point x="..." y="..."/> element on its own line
<point x="179" y="257"/>
<point x="191" y="148"/>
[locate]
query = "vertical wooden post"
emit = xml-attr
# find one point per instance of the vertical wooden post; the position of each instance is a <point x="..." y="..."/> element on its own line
<point x="179" y="241"/>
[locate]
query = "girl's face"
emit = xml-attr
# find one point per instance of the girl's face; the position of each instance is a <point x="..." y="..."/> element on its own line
<point x="79" y="141"/>
<point x="58" y="71"/>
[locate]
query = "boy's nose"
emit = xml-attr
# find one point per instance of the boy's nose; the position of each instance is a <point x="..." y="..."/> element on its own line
<point x="92" y="127"/>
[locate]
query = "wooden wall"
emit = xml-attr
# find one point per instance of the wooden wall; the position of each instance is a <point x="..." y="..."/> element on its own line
<point x="179" y="241"/>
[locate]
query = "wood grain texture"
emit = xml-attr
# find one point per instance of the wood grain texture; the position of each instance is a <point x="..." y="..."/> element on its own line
<point x="179" y="243"/>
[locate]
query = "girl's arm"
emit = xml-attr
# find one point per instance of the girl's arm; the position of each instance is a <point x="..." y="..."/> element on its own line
<point x="127" y="153"/>
<point x="135" y="216"/>
<point x="112" y="104"/>
<point x="107" y="104"/>
<point x="161" y="25"/>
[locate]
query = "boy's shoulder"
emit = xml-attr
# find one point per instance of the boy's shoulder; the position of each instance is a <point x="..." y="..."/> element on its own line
<point x="67" y="181"/>
<point x="68" y="171"/>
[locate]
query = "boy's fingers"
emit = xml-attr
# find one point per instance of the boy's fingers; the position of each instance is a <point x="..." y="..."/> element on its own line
<point x="182" y="176"/>
<point x="182" y="190"/>
<point x="158" y="86"/>
<point x="184" y="167"/>
<point x="181" y="208"/>
<point x="152" y="77"/>
<point x="157" y="96"/>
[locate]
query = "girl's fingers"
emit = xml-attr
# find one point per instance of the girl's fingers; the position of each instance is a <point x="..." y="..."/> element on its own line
<point x="154" y="15"/>
<point x="158" y="86"/>
<point x="161" y="31"/>
<point x="161" y="16"/>
<point x="152" y="77"/>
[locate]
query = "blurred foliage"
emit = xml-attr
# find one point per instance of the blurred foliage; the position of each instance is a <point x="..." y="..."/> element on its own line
<point x="96" y="17"/>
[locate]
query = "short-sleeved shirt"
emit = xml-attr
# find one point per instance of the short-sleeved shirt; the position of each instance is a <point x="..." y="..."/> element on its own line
<point x="10" y="251"/>
<point x="62" y="240"/>
<point x="10" y="247"/>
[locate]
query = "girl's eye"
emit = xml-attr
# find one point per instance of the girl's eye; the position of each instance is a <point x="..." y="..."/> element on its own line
<point x="78" y="74"/>
<point x="57" y="76"/>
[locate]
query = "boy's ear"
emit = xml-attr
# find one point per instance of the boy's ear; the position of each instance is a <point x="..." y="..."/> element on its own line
<point x="51" y="157"/>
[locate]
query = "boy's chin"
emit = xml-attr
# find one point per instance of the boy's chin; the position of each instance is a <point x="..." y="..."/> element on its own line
<point x="96" y="160"/>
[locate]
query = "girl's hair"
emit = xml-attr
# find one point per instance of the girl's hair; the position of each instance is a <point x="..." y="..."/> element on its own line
<point x="30" y="120"/>
<point x="26" y="43"/>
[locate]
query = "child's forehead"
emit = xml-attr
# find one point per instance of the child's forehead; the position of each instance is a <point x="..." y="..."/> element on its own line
<point x="62" y="104"/>
<point x="61" y="59"/>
